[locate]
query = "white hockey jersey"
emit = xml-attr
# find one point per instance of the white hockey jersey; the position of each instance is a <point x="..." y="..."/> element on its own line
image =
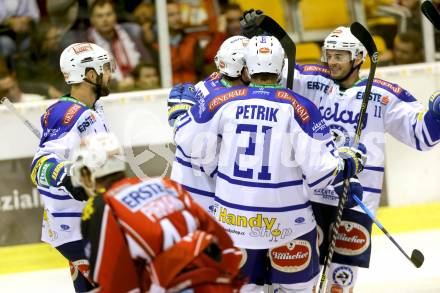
<point x="390" y="109"/>
<point x="64" y="124"/>
<point x="274" y="143"/>
<point x="198" y="180"/>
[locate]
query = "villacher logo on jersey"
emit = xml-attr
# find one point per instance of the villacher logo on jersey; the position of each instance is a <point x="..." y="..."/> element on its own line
<point x="293" y="257"/>
<point x="352" y="239"/>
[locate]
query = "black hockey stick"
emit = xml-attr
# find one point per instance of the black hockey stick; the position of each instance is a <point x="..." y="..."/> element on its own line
<point x="273" y="28"/>
<point x="365" y="38"/>
<point x="431" y="13"/>
<point x="416" y="258"/>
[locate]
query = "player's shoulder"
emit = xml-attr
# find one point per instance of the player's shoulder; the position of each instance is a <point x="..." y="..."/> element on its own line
<point x="386" y="88"/>
<point x="211" y="103"/>
<point x="314" y="69"/>
<point x="64" y="113"/>
<point x="307" y="115"/>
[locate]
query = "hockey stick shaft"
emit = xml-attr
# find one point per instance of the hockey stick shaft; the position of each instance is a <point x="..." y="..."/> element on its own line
<point x="273" y="28"/>
<point x="365" y="38"/>
<point x="431" y="13"/>
<point x="385" y="231"/>
<point x="5" y="101"/>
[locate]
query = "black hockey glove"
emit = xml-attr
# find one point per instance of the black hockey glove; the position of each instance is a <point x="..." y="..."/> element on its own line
<point x="77" y="193"/>
<point x="248" y="24"/>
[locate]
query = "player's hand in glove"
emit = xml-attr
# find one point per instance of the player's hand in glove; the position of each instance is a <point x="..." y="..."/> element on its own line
<point x="248" y="24"/>
<point x="181" y="98"/>
<point x="355" y="188"/>
<point x="434" y="105"/>
<point x="77" y="193"/>
<point x="354" y="160"/>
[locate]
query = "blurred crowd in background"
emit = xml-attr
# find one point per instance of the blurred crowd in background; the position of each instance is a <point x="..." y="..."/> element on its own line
<point x="34" y="32"/>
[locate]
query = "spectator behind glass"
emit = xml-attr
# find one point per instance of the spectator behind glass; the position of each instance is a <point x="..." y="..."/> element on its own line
<point x="229" y="25"/>
<point x="10" y="88"/>
<point x="408" y="48"/>
<point x="38" y="67"/>
<point x="186" y="55"/>
<point x="16" y="21"/>
<point x="146" y="77"/>
<point x="414" y="22"/>
<point x="126" y="50"/>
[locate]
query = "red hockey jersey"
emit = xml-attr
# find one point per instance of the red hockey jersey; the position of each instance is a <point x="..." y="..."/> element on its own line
<point x="150" y="236"/>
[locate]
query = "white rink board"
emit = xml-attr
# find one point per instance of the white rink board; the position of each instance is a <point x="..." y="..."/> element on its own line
<point x="140" y="118"/>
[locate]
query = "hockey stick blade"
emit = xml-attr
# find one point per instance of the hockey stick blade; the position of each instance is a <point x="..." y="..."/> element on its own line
<point x="431" y="13"/>
<point x="365" y="38"/>
<point x="270" y="26"/>
<point x="417" y="258"/>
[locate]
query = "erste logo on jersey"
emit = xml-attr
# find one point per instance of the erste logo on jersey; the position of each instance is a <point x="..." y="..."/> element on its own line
<point x="352" y="239"/>
<point x="70" y="113"/>
<point x="90" y="120"/>
<point x="221" y="99"/>
<point x="300" y="110"/>
<point x="264" y="50"/>
<point x="291" y="258"/>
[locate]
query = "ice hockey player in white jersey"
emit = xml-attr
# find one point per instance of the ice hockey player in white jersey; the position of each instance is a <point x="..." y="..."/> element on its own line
<point x="337" y="90"/>
<point x="199" y="180"/>
<point x="87" y="68"/>
<point x="274" y="145"/>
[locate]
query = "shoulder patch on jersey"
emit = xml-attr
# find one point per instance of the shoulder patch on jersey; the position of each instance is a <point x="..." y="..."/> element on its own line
<point x="214" y="76"/>
<point x="46" y="117"/>
<point x="70" y="114"/>
<point x="387" y="85"/>
<point x="315" y="68"/>
<point x="300" y="110"/>
<point x="219" y="100"/>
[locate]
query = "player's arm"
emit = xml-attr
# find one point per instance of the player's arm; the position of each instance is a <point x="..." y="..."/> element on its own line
<point x="50" y="167"/>
<point x="315" y="150"/>
<point x="409" y="122"/>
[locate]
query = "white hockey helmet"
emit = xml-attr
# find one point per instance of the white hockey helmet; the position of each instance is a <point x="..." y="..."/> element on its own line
<point x="342" y="39"/>
<point x="77" y="57"/>
<point x="264" y="54"/>
<point x="230" y="57"/>
<point x="101" y="154"/>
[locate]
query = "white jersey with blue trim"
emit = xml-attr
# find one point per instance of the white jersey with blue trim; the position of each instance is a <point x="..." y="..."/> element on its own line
<point x="274" y="145"/>
<point x="64" y="124"/>
<point x="390" y="109"/>
<point x="198" y="180"/>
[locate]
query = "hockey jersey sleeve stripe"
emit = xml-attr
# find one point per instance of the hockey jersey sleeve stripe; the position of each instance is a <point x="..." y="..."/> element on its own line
<point x="425" y="139"/>
<point x="259" y="184"/>
<point x="54" y="196"/>
<point x="188" y="164"/>
<point x="213" y="172"/>
<point x="262" y="209"/>
<point x="66" y="215"/>
<point x="183" y="124"/>
<point x="373" y="190"/>
<point x="415" y="137"/>
<point x="183" y="153"/>
<point x="373" y="168"/>
<point x="321" y="179"/>
<point x="198" y="191"/>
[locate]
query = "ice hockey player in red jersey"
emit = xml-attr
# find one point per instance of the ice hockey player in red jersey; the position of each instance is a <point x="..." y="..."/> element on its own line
<point x="147" y="235"/>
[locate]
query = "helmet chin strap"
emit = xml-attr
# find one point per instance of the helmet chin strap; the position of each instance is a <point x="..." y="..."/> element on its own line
<point x="98" y="87"/>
